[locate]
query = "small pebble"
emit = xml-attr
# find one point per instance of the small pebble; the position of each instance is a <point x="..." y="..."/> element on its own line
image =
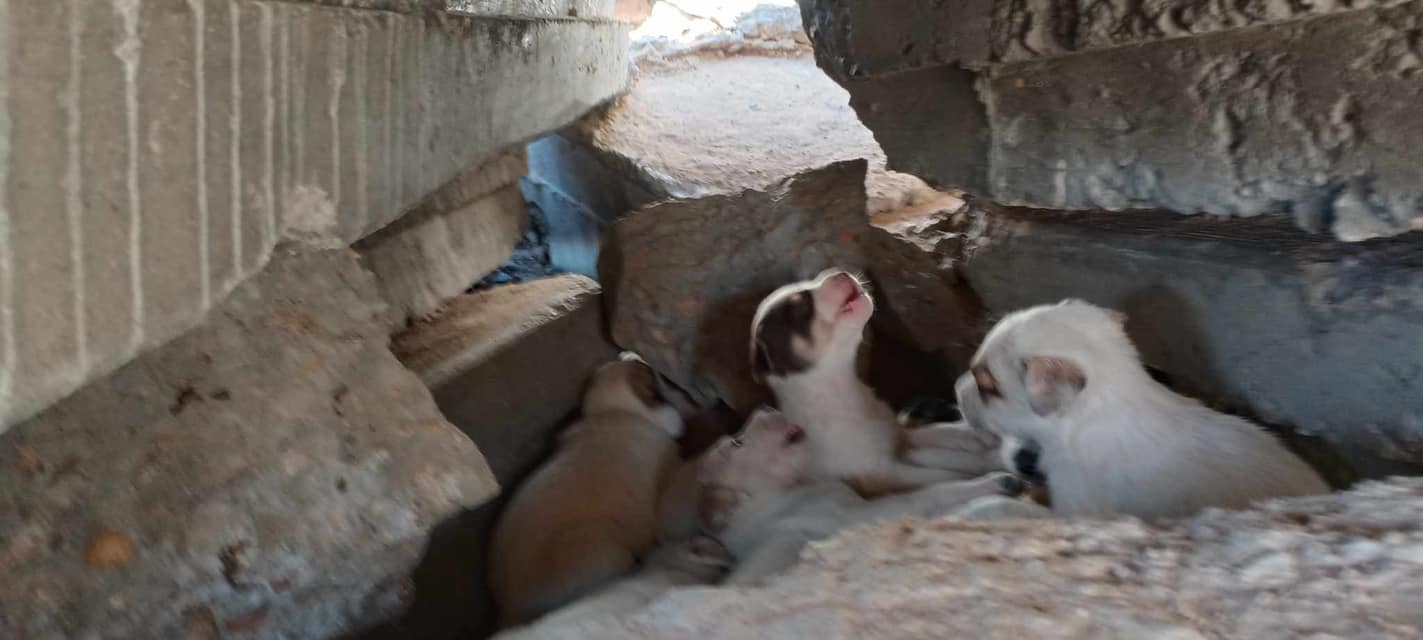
<point x="109" y="549"/>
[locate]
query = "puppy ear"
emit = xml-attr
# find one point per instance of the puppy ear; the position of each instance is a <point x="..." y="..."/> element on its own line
<point x="1051" y="382"/>
<point x="760" y="362"/>
<point x="715" y="505"/>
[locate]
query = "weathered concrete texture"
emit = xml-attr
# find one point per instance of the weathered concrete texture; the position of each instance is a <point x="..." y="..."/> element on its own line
<point x="684" y="277"/>
<point x="1345" y="566"/>
<point x="862" y="38"/>
<point x="715" y="125"/>
<point x="1024" y="29"/>
<point x="1323" y="126"/>
<point x="155" y="151"/>
<point x="273" y="472"/>
<point x="1255" y="315"/>
<point x="507" y="366"/>
<point x="546" y="8"/>
<point x="449" y="241"/>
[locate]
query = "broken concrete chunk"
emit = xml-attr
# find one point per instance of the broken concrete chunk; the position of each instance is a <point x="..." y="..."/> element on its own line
<point x="1344" y="565"/>
<point x="449" y="241"/>
<point x="274" y="471"/>
<point x="507" y="365"/>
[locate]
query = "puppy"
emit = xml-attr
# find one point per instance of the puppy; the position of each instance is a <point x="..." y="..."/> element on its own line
<point x="804" y="340"/>
<point x="697" y="561"/>
<point x="1110" y="438"/>
<point x="759" y="498"/>
<point x="587" y="515"/>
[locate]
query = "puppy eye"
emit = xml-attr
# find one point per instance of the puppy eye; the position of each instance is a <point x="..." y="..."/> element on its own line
<point x="987" y="384"/>
<point x="736" y="442"/>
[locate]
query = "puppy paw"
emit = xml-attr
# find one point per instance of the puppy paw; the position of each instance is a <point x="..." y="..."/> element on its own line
<point x="1010" y="485"/>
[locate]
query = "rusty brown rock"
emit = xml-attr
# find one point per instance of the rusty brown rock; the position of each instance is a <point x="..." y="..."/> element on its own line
<point x="109" y="549"/>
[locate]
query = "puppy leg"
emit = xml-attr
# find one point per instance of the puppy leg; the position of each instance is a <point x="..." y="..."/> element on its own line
<point x="769" y="558"/>
<point x="953" y="446"/>
<point x="955" y="435"/>
<point x="939" y="499"/>
<point x="1000" y="508"/>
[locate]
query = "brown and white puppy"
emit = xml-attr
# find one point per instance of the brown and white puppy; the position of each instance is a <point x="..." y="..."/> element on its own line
<point x="588" y="514"/>
<point x="758" y="497"/>
<point x="804" y="340"/>
<point x="1110" y="438"/>
<point x="696" y="561"/>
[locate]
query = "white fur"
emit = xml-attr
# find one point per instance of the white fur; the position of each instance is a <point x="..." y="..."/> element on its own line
<point x="767" y="534"/>
<point x="1122" y="443"/>
<point x="854" y="433"/>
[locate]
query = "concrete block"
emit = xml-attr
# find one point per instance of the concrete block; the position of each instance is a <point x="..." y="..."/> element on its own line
<point x="1253" y="315"/>
<point x="156" y="151"/>
<point x="618" y="9"/>
<point x="507" y="365"/>
<point x="273" y="472"/>
<point x="449" y="241"/>
<point x="1025" y="30"/>
<point x="863" y="38"/>
<point x="1321" y="127"/>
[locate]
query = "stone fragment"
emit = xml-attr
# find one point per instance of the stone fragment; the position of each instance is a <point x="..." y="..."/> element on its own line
<point x="109" y="549"/>
<point x="1208" y="124"/>
<point x="1344" y="565"/>
<point x="507" y="366"/>
<point x="274" y="471"/>
<point x="155" y="152"/>
<point x="450" y="240"/>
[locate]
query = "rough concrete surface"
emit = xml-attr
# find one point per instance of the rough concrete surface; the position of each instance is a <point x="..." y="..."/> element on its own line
<point x="507" y="366"/>
<point x="688" y="131"/>
<point x="449" y="241"/>
<point x="1024" y="29"/>
<point x="156" y="151"/>
<point x="1254" y="315"/>
<point x="1321" y="127"/>
<point x="1342" y="566"/>
<point x="862" y="38"/>
<point x="272" y="473"/>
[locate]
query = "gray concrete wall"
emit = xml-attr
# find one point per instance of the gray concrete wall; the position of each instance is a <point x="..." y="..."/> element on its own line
<point x="1297" y="110"/>
<point x="152" y="152"/>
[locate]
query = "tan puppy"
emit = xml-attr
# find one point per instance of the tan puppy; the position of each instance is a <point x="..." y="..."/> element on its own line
<point x="804" y="340"/>
<point x="1109" y="438"/>
<point x="588" y="514"/>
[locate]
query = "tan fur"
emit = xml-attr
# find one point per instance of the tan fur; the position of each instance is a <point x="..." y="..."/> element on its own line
<point x="588" y="514"/>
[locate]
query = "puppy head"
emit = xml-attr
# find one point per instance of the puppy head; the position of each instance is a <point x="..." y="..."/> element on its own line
<point x="630" y="386"/>
<point x="1039" y="364"/>
<point x="769" y="456"/>
<point x="809" y="324"/>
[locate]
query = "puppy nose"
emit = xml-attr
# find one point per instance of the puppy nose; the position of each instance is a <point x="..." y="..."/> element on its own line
<point x="1025" y="462"/>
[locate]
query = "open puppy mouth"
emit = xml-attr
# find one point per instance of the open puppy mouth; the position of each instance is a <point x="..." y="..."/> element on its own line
<point x="851" y="298"/>
<point x="794" y="434"/>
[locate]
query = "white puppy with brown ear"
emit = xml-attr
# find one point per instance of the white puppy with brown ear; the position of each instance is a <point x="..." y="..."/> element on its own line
<point x="588" y="514"/>
<point x="1111" y="439"/>
<point x="804" y="341"/>
<point x="758" y="498"/>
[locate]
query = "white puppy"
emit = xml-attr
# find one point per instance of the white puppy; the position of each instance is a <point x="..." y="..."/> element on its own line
<point x="585" y="517"/>
<point x="804" y="341"/>
<point x="758" y="498"/>
<point x="1109" y="438"/>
